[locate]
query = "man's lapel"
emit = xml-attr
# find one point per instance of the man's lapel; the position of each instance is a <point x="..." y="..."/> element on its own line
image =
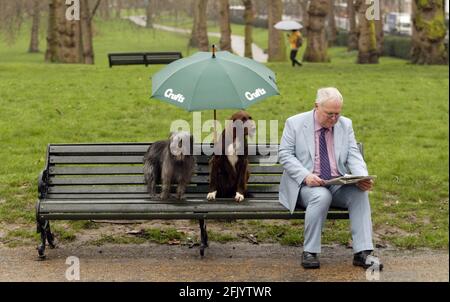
<point x="308" y="132"/>
<point x="338" y="132"/>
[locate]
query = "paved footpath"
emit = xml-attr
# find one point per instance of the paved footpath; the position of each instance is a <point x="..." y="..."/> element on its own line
<point x="237" y="42"/>
<point x="222" y="262"/>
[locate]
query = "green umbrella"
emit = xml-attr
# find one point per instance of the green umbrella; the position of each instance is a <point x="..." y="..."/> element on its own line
<point x="218" y="80"/>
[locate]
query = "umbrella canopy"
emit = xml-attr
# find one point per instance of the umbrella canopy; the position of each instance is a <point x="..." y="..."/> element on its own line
<point x="288" y="25"/>
<point x="214" y="81"/>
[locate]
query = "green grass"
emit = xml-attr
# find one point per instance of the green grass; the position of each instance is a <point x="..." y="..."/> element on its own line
<point x="399" y="111"/>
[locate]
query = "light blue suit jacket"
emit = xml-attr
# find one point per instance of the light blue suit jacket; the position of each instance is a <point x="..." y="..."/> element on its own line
<point x="297" y="148"/>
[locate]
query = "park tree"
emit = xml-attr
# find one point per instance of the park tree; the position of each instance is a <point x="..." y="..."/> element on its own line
<point x="149" y="14"/>
<point x="304" y="12"/>
<point x="199" y="34"/>
<point x="248" y="20"/>
<point x="316" y="49"/>
<point x="379" y="30"/>
<point x="331" y="28"/>
<point x="118" y="5"/>
<point x="277" y="47"/>
<point x="367" y="38"/>
<point x="36" y="18"/>
<point x="70" y="41"/>
<point x="353" y="30"/>
<point x="11" y="19"/>
<point x="428" y="32"/>
<point x="224" y="22"/>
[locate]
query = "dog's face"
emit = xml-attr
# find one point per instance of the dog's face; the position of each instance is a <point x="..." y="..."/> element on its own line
<point x="180" y="144"/>
<point x="247" y="122"/>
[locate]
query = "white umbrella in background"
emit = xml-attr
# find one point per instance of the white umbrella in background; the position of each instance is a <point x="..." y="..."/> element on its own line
<point x="288" y="25"/>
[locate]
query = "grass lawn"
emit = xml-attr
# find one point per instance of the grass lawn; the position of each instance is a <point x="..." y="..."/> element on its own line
<point x="399" y="111"/>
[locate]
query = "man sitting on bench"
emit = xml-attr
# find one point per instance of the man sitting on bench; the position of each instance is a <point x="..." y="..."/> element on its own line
<point x="316" y="146"/>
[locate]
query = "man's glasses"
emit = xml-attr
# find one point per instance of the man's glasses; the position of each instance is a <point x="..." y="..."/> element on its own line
<point x="331" y="114"/>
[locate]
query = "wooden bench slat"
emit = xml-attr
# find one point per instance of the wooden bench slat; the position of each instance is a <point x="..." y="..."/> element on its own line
<point x="114" y="170"/>
<point x="136" y="159"/>
<point x="170" y="216"/>
<point x="124" y="207"/>
<point x="86" y="149"/>
<point x="131" y="159"/>
<point x="139" y="196"/>
<point x="134" y="148"/>
<point x="142" y="189"/>
<point x="111" y="180"/>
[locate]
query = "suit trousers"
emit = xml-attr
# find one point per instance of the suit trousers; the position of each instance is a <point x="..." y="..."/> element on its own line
<point x="317" y="201"/>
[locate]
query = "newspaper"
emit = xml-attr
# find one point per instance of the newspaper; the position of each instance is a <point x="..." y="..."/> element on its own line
<point x="348" y="179"/>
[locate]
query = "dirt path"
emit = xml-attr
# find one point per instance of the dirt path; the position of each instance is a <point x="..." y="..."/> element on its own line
<point x="222" y="262"/>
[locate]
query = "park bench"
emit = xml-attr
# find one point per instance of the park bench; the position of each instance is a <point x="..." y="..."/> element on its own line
<point x="143" y="58"/>
<point x="105" y="181"/>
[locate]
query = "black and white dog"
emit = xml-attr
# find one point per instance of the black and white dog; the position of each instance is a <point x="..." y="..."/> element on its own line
<point x="169" y="161"/>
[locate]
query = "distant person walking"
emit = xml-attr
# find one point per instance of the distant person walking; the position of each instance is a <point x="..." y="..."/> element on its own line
<point x="296" y="41"/>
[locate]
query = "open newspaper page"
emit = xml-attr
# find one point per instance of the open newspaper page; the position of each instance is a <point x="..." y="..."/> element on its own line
<point x="347" y="179"/>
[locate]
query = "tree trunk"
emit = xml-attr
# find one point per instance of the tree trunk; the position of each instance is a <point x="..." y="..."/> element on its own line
<point x="34" y="42"/>
<point x="86" y="32"/>
<point x="353" y="30"/>
<point x="104" y="9"/>
<point x="248" y="19"/>
<point x="119" y="6"/>
<point x="70" y="41"/>
<point x="193" y="41"/>
<point x="367" y="38"/>
<point x="277" y="47"/>
<point x="63" y="35"/>
<point x="316" y="49"/>
<point x="332" y="30"/>
<point x="305" y="17"/>
<point x="379" y="36"/>
<point x="202" y="27"/>
<point x="149" y="13"/>
<point x="225" y="29"/>
<point x="428" y="33"/>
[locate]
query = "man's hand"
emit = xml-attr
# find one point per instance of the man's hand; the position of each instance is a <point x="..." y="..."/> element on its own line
<point x="365" y="185"/>
<point x="312" y="180"/>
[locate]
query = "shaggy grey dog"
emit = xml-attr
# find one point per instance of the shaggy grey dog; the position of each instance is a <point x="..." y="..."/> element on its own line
<point x="169" y="161"/>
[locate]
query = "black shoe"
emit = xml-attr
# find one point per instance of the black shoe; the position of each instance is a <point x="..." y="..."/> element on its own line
<point x="366" y="260"/>
<point x="310" y="260"/>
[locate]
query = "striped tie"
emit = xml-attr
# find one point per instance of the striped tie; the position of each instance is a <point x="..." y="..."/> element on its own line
<point x="325" y="170"/>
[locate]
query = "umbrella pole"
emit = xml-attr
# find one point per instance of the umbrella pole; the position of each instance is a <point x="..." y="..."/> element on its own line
<point x="215" y="132"/>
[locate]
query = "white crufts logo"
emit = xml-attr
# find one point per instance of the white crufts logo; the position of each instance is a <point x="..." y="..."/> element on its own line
<point x="176" y="97"/>
<point x="253" y="95"/>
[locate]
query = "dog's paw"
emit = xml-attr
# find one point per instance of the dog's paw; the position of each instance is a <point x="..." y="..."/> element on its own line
<point x="163" y="196"/>
<point x="239" y="197"/>
<point x="211" y="195"/>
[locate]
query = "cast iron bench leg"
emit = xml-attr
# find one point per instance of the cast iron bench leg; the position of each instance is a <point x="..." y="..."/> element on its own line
<point x="203" y="237"/>
<point x="43" y="227"/>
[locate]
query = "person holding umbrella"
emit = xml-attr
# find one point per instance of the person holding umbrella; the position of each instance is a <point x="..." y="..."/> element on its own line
<point x="295" y="41"/>
<point x="295" y="37"/>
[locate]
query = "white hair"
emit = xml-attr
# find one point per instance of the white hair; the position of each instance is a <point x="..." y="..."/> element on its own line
<point x="328" y="94"/>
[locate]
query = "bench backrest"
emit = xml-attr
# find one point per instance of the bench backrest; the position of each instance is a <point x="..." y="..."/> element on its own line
<point x="145" y="58"/>
<point x="116" y="171"/>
